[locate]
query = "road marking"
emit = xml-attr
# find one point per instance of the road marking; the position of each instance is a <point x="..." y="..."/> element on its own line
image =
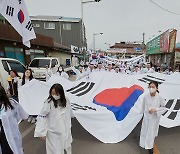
<point x="156" y="151"/>
<point x="27" y="131"/>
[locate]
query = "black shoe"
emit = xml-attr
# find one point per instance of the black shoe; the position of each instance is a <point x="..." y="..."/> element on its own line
<point x="150" y="151"/>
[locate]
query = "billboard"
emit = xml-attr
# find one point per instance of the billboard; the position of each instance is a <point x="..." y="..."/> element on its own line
<point x="159" y="44"/>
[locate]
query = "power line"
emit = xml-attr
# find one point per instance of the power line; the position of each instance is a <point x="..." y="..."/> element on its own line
<point x="163" y="8"/>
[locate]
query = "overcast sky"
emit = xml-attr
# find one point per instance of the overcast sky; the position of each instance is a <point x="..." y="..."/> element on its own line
<point x="119" y="20"/>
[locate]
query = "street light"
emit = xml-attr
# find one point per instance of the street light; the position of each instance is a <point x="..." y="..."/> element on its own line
<point x="94" y="42"/>
<point x="83" y="33"/>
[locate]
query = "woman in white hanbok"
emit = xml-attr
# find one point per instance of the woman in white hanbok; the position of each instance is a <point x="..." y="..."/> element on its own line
<point x="153" y="108"/>
<point x="10" y="114"/>
<point x="54" y="122"/>
<point x="62" y="73"/>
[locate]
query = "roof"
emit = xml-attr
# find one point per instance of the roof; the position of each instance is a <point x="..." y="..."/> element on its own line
<point x="57" y="45"/>
<point x="55" y="18"/>
<point x="126" y="45"/>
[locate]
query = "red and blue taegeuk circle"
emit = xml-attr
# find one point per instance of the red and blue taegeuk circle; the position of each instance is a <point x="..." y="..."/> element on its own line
<point x="21" y="16"/>
<point x="119" y="100"/>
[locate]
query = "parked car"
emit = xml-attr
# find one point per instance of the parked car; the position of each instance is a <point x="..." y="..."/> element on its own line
<point x="7" y="64"/>
<point x="38" y="66"/>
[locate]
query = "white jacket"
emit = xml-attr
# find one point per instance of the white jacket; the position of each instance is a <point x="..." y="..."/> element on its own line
<point x="150" y="124"/>
<point x="55" y="124"/>
<point x="10" y="119"/>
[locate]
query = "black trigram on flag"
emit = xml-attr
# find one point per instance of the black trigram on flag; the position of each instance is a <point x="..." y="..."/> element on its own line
<point x="20" y="1"/>
<point x="82" y="88"/>
<point x="147" y="79"/>
<point x="80" y="107"/>
<point x="173" y="106"/>
<point x="9" y="11"/>
<point x="29" y="26"/>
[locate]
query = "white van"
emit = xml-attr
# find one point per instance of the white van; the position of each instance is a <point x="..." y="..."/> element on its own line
<point x="38" y="66"/>
<point x="7" y="64"/>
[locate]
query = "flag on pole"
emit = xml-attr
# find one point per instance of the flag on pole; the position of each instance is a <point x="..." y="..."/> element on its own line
<point x="16" y="14"/>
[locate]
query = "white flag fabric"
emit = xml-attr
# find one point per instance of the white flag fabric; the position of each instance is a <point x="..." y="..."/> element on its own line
<point x="16" y="14"/>
<point x="108" y="105"/>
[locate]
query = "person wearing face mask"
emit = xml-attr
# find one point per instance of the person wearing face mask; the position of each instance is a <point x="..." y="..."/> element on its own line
<point x="10" y="114"/>
<point x="54" y="122"/>
<point x="80" y="72"/>
<point x="153" y="108"/>
<point x="62" y="73"/>
<point x="12" y="88"/>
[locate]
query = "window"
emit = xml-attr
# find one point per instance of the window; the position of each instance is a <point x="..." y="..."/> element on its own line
<point x="6" y="68"/>
<point x="36" y="25"/>
<point x="54" y="63"/>
<point x="40" y="63"/>
<point x="66" y="26"/>
<point x="49" y="25"/>
<point x="16" y="66"/>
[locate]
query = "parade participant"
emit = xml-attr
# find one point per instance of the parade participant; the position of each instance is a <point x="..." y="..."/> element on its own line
<point x="90" y="69"/>
<point x="109" y="68"/>
<point x="54" y="122"/>
<point x="148" y="69"/>
<point x="80" y="73"/>
<point x="12" y="88"/>
<point x="117" y="70"/>
<point x="10" y="114"/>
<point x="100" y="67"/>
<point x="62" y="73"/>
<point x="49" y="72"/>
<point x="27" y="76"/>
<point x="136" y="71"/>
<point x="153" y="108"/>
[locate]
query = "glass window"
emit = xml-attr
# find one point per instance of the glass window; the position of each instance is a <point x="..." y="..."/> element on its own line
<point x="49" y="25"/>
<point x="16" y="66"/>
<point x="6" y="68"/>
<point x="36" y="25"/>
<point x="39" y="63"/>
<point x="66" y="26"/>
<point x="54" y="63"/>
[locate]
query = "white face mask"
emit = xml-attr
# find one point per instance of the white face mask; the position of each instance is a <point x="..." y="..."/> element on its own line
<point x="60" y="69"/>
<point x="56" y="97"/>
<point x="152" y="90"/>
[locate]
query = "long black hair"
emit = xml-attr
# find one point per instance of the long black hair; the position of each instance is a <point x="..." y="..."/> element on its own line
<point x="15" y="72"/>
<point x="24" y="76"/>
<point x="155" y="83"/>
<point x="4" y="99"/>
<point x="59" y="89"/>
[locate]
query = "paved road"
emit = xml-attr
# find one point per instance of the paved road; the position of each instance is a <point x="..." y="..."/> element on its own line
<point x="168" y="142"/>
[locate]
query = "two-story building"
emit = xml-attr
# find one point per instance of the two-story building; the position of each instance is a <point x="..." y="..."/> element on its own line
<point x="126" y="49"/>
<point x="66" y="31"/>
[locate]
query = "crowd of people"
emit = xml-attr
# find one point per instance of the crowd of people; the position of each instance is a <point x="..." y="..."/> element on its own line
<point x="54" y="121"/>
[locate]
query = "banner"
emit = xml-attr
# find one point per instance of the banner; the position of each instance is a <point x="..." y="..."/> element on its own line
<point x="74" y="49"/>
<point x="108" y="105"/>
<point x="16" y="14"/>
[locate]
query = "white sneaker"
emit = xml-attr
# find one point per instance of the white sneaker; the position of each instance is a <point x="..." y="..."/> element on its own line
<point x="33" y="120"/>
<point x="29" y="118"/>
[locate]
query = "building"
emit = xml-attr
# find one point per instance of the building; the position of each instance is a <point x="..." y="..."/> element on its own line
<point x="177" y="56"/>
<point x="11" y="46"/>
<point x="64" y="30"/>
<point x="161" y="49"/>
<point x="126" y="49"/>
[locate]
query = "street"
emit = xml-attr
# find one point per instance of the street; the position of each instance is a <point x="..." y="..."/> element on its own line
<point x="84" y="143"/>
